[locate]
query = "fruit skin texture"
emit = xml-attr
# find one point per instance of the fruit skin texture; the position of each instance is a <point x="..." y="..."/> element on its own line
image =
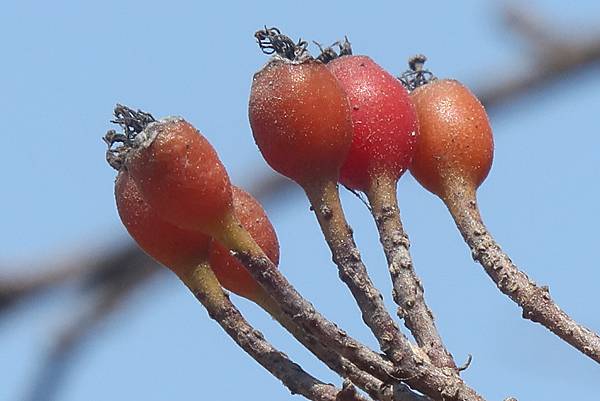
<point x="180" y="175"/>
<point x="300" y="119"/>
<point x="180" y="250"/>
<point x="384" y="119"/>
<point x="230" y="272"/>
<point x="455" y="146"/>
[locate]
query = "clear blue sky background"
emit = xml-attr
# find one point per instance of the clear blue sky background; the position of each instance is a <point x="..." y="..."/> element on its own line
<point x="65" y="64"/>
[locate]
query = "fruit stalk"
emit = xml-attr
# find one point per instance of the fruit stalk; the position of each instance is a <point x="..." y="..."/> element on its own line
<point x="536" y="302"/>
<point x="413" y="370"/>
<point x="174" y="162"/>
<point x="385" y="136"/>
<point x="374" y="387"/>
<point x="245" y="249"/>
<point x="325" y="202"/>
<point x="205" y="286"/>
<point x="407" y="288"/>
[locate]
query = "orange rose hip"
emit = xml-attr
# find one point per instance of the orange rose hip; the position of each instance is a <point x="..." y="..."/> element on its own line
<point x="455" y="146"/>
<point x="176" y="170"/>
<point x="178" y="249"/>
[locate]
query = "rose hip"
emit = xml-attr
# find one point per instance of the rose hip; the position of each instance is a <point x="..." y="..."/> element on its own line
<point x="178" y="249"/>
<point x="175" y="168"/>
<point x="384" y="120"/>
<point x="455" y="148"/>
<point x="299" y="114"/>
<point x="385" y="135"/>
<point x="183" y="250"/>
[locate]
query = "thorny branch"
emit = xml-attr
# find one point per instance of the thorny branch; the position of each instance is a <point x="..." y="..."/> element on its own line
<point x="554" y="60"/>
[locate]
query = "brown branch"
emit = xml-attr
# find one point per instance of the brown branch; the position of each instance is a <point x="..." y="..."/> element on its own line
<point x="407" y="289"/>
<point x="207" y="290"/>
<point x="338" y="234"/>
<point x="412" y="369"/>
<point x="376" y="388"/>
<point x="325" y="202"/>
<point x="535" y="301"/>
<point x="312" y="322"/>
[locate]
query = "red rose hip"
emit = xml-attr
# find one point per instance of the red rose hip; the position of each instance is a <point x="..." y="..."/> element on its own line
<point x="385" y="136"/>
<point x="230" y="272"/>
<point x="384" y="120"/>
<point x="183" y="250"/>
<point x="300" y="116"/>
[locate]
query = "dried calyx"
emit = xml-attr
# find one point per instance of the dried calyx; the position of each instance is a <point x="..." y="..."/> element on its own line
<point x="272" y="41"/>
<point x="416" y="75"/>
<point x="120" y="143"/>
<point x="329" y="53"/>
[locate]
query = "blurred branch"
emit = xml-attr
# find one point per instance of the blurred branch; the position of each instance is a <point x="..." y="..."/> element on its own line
<point x="96" y="271"/>
<point x="555" y="57"/>
<point x="106" y="283"/>
<point x="91" y="273"/>
<point x="71" y="339"/>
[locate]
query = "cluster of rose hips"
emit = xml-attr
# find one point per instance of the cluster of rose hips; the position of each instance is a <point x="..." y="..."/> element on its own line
<point x="347" y="121"/>
<point x="338" y="118"/>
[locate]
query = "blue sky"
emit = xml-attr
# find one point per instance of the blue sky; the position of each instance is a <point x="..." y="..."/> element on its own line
<point x="65" y="65"/>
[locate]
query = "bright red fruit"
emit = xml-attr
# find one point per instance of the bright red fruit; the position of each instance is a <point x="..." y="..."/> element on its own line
<point x="384" y="119"/>
<point x="230" y="272"/>
<point x="300" y="116"/>
<point x="178" y="249"/>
